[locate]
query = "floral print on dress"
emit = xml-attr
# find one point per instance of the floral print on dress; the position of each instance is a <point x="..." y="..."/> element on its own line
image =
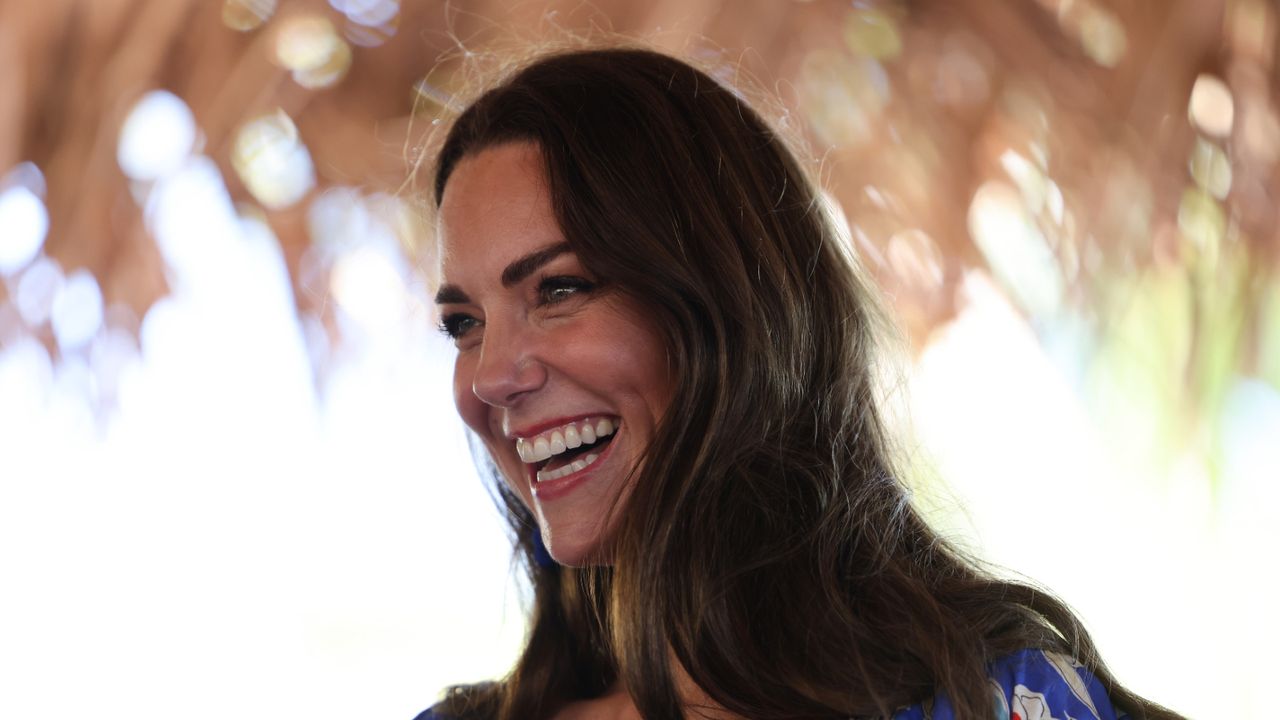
<point x="1069" y="670"/>
<point x="1031" y="685"/>
<point x="1028" y="705"/>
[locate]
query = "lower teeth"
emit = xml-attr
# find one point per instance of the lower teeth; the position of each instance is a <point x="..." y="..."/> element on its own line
<point x="572" y="467"/>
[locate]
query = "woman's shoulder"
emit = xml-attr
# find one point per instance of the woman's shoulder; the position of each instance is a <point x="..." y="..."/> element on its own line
<point x="1032" y="685"/>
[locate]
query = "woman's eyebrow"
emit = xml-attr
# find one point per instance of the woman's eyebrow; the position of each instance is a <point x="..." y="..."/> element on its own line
<point x="527" y="265"/>
<point x="517" y="271"/>
<point x="451" y="294"/>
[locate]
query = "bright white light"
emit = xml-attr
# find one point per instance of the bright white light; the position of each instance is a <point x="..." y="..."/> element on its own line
<point x="26" y="374"/>
<point x="77" y="310"/>
<point x="191" y="217"/>
<point x="338" y="219"/>
<point x="369" y="288"/>
<point x="1251" y="425"/>
<point x="218" y="445"/>
<point x="71" y="398"/>
<point x="1015" y="248"/>
<point x="157" y="137"/>
<point x="113" y="353"/>
<point x="24" y="223"/>
<point x="1212" y="107"/>
<point x="37" y="288"/>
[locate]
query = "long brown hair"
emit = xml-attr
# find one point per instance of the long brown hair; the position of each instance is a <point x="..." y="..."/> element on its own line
<point x="769" y="545"/>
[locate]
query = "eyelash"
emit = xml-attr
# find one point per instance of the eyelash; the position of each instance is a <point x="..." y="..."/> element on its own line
<point x="455" y="325"/>
<point x="547" y="286"/>
<point x="451" y="325"/>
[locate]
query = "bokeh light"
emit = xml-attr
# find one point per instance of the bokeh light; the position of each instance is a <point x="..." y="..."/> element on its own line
<point x="370" y="13"/>
<point x="365" y="36"/>
<point x="246" y="15"/>
<point x="1211" y="168"/>
<point x="26" y="372"/>
<point x="113" y="356"/>
<point x="272" y="161"/>
<point x="1202" y="221"/>
<point x="311" y="48"/>
<point x="330" y="72"/>
<point x="1103" y="36"/>
<point x="873" y="33"/>
<point x="369" y="288"/>
<point x="157" y="137"/>
<point x="76" y="314"/>
<point x="37" y="288"/>
<point x="1015" y="248"/>
<point x="25" y="223"/>
<point x="1212" y="107"/>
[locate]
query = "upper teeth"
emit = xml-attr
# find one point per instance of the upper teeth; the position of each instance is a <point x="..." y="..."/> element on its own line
<point x="566" y="437"/>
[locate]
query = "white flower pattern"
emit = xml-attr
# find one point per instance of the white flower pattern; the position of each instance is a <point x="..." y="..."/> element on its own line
<point x="1029" y="705"/>
<point x="1031" y="685"/>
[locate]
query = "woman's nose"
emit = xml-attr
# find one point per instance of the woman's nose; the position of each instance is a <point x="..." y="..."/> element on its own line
<point x="508" y="368"/>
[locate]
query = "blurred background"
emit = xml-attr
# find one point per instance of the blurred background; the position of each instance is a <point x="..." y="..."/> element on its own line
<point x="231" y="480"/>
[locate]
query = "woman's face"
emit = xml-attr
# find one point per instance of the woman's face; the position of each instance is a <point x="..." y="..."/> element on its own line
<point x="562" y="378"/>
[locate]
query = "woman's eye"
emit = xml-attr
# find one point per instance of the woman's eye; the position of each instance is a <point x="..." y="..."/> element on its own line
<point x="455" y="325"/>
<point x="552" y="290"/>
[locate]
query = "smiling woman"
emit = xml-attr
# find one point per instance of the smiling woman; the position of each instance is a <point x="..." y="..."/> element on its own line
<point x="668" y="353"/>
<point x="560" y="376"/>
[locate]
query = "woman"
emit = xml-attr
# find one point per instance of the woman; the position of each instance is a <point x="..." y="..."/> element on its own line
<point x="668" y="355"/>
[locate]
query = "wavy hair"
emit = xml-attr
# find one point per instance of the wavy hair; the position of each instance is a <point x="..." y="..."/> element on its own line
<point x="768" y="544"/>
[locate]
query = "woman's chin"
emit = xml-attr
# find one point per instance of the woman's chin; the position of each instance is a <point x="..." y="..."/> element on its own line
<point x="572" y="556"/>
<point x="577" y="551"/>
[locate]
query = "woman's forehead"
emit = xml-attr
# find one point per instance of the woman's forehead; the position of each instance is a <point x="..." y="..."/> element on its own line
<point x="495" y="176"/>
<point x="496" y="208"/>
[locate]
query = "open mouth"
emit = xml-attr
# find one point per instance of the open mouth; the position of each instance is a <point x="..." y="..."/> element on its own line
<point x="567" y="449"/>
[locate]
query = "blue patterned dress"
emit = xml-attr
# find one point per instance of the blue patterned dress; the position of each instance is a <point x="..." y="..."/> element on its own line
<point x="1028" y="685"/>
<point x="1032" y="685"/>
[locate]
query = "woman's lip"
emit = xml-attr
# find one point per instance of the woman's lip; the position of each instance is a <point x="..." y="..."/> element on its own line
<point x="548" y="490"/>
<point x="532" y="430"/>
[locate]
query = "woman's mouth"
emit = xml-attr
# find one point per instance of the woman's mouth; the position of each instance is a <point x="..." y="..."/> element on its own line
<point x="567" y="449"/>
